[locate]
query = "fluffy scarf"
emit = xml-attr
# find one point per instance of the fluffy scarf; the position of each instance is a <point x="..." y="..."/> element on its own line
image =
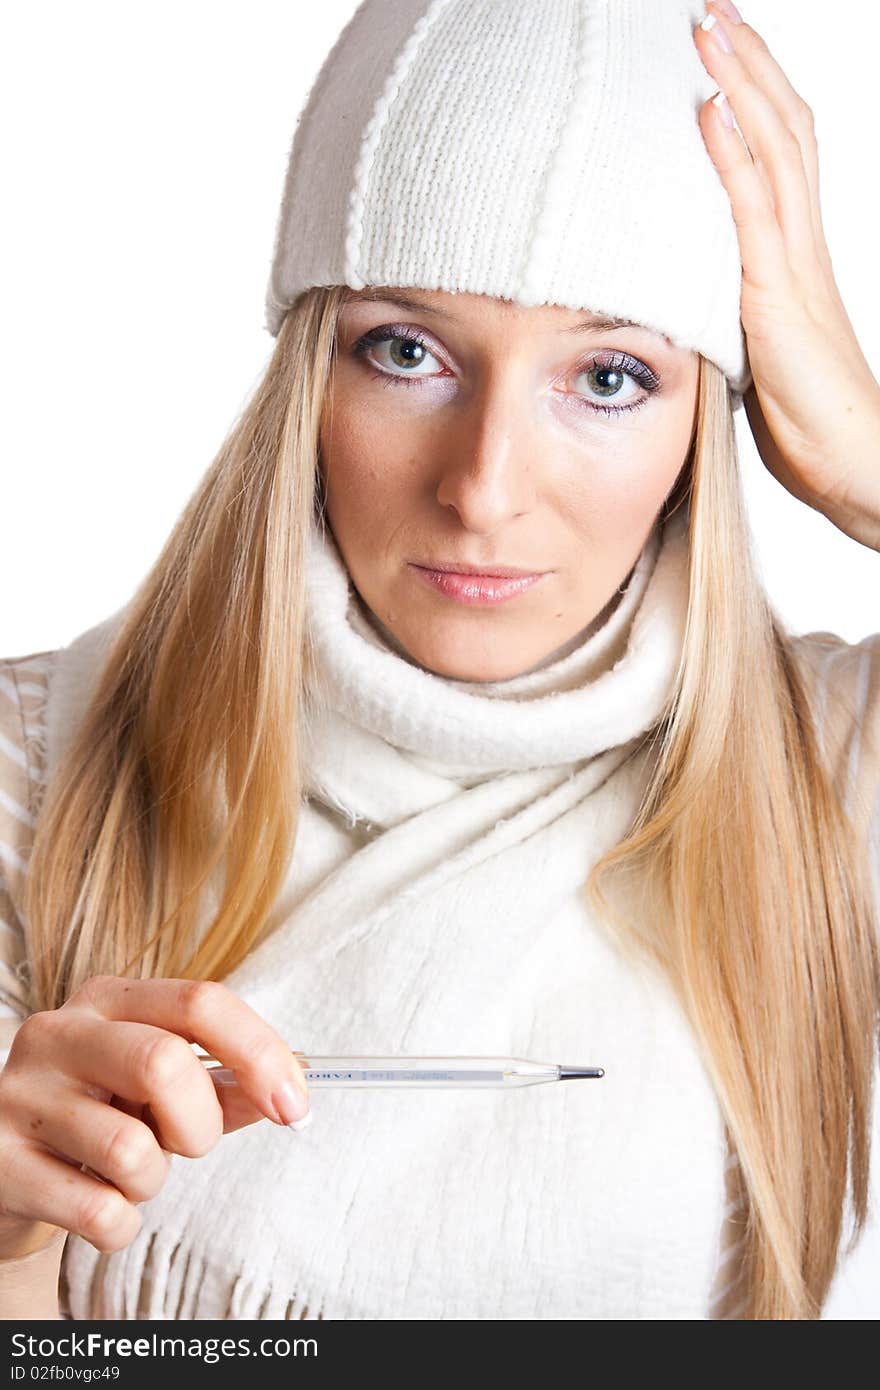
<point x="434" y="905"/>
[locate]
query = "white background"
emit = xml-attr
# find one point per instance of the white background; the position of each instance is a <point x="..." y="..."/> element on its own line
<point x="144" y="151"/>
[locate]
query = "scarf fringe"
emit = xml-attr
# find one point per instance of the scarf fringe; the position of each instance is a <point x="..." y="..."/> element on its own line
<point x="163" y="1278"/>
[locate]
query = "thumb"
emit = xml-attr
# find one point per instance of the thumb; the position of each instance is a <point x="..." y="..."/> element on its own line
<point x="238" y="1110"/>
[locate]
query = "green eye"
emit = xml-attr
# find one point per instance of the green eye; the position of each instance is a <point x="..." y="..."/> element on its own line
<point x="610" y="372"/>
<point x="407" y="350"/>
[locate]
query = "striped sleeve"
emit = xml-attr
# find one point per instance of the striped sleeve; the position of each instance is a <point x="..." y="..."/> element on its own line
<point x="23" y="692"/>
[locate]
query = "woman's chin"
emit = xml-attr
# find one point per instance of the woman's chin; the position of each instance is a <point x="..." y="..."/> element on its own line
<point x="452" y="647"/>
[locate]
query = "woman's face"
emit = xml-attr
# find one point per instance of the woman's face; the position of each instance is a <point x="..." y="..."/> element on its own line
<point x="466" y="433"/>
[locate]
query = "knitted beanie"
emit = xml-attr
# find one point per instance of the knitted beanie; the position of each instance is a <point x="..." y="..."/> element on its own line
<point x="541" y="151"/>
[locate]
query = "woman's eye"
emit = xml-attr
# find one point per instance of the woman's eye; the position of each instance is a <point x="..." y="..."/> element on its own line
<point x="610" y="384"/>
<point x="397" y="353"/>
<point x="616" y="383"/>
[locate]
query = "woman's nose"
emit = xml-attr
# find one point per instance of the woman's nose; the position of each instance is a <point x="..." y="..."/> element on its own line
<point x="487" y="472"/>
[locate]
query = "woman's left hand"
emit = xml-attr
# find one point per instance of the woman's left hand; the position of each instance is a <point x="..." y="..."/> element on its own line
<point x="814" y="405"/>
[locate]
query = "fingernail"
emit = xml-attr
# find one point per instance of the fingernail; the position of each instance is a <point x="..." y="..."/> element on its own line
<point x="712" y="26"/>
<point x="729" y="10"/>
<point x="290" y="1103"/>
<point x="301" y="1124"/>
<point x="720" y="100"/>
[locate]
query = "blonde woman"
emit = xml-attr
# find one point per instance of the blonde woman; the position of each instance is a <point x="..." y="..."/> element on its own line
<point x="453" y="719"/>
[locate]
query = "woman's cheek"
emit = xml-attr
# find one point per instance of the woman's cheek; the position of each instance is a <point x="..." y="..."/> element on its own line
<point x="598" y="490"/>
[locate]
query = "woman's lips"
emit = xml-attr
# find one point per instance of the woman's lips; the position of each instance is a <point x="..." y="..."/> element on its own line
<point x="477" y="588"/>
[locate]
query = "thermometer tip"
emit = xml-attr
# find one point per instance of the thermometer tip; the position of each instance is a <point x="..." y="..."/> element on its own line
<point x="576" y="1073"/>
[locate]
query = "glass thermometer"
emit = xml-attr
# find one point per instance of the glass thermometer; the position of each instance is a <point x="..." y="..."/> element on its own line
<point x="422" y="1071"/>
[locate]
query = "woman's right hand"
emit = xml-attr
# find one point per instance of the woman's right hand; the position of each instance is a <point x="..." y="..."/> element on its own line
<point x="109" y="1083"/>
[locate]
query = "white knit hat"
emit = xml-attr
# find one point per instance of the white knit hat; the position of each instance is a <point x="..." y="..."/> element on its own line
<point x="542" y="151"/>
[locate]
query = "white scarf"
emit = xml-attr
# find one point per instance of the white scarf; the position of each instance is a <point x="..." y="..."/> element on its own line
<point x="435" y="906"/>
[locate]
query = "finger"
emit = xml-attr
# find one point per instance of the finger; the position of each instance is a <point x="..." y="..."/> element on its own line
<point x="762" y="247"/>
<point x="115" y="1146"/>
<point x="794" y="111"/>
<point x="766" y="128"/>
<point x="207" y="1013"/>
<point x="46" y="1188"/>
<point x="139" y="1063"/>
<point x="238" y="1109"/>
<point x="142" y="1113"/>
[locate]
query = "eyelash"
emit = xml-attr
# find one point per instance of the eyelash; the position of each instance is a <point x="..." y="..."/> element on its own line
<point x="609" y="361"/>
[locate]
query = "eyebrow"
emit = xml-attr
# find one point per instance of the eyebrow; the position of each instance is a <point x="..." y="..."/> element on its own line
<point x="594" y="324"/>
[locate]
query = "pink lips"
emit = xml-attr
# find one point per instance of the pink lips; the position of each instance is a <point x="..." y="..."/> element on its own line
<point x="477" y="588"/>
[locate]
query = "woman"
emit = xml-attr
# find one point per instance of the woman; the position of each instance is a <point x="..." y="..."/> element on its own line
<point x="475" y="372"/>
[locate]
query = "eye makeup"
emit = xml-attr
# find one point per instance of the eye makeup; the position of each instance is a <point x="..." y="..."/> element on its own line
<point x="615" y="362"/>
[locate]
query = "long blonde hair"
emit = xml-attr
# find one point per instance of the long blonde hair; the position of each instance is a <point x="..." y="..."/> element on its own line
<point x="768" y="934"/>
